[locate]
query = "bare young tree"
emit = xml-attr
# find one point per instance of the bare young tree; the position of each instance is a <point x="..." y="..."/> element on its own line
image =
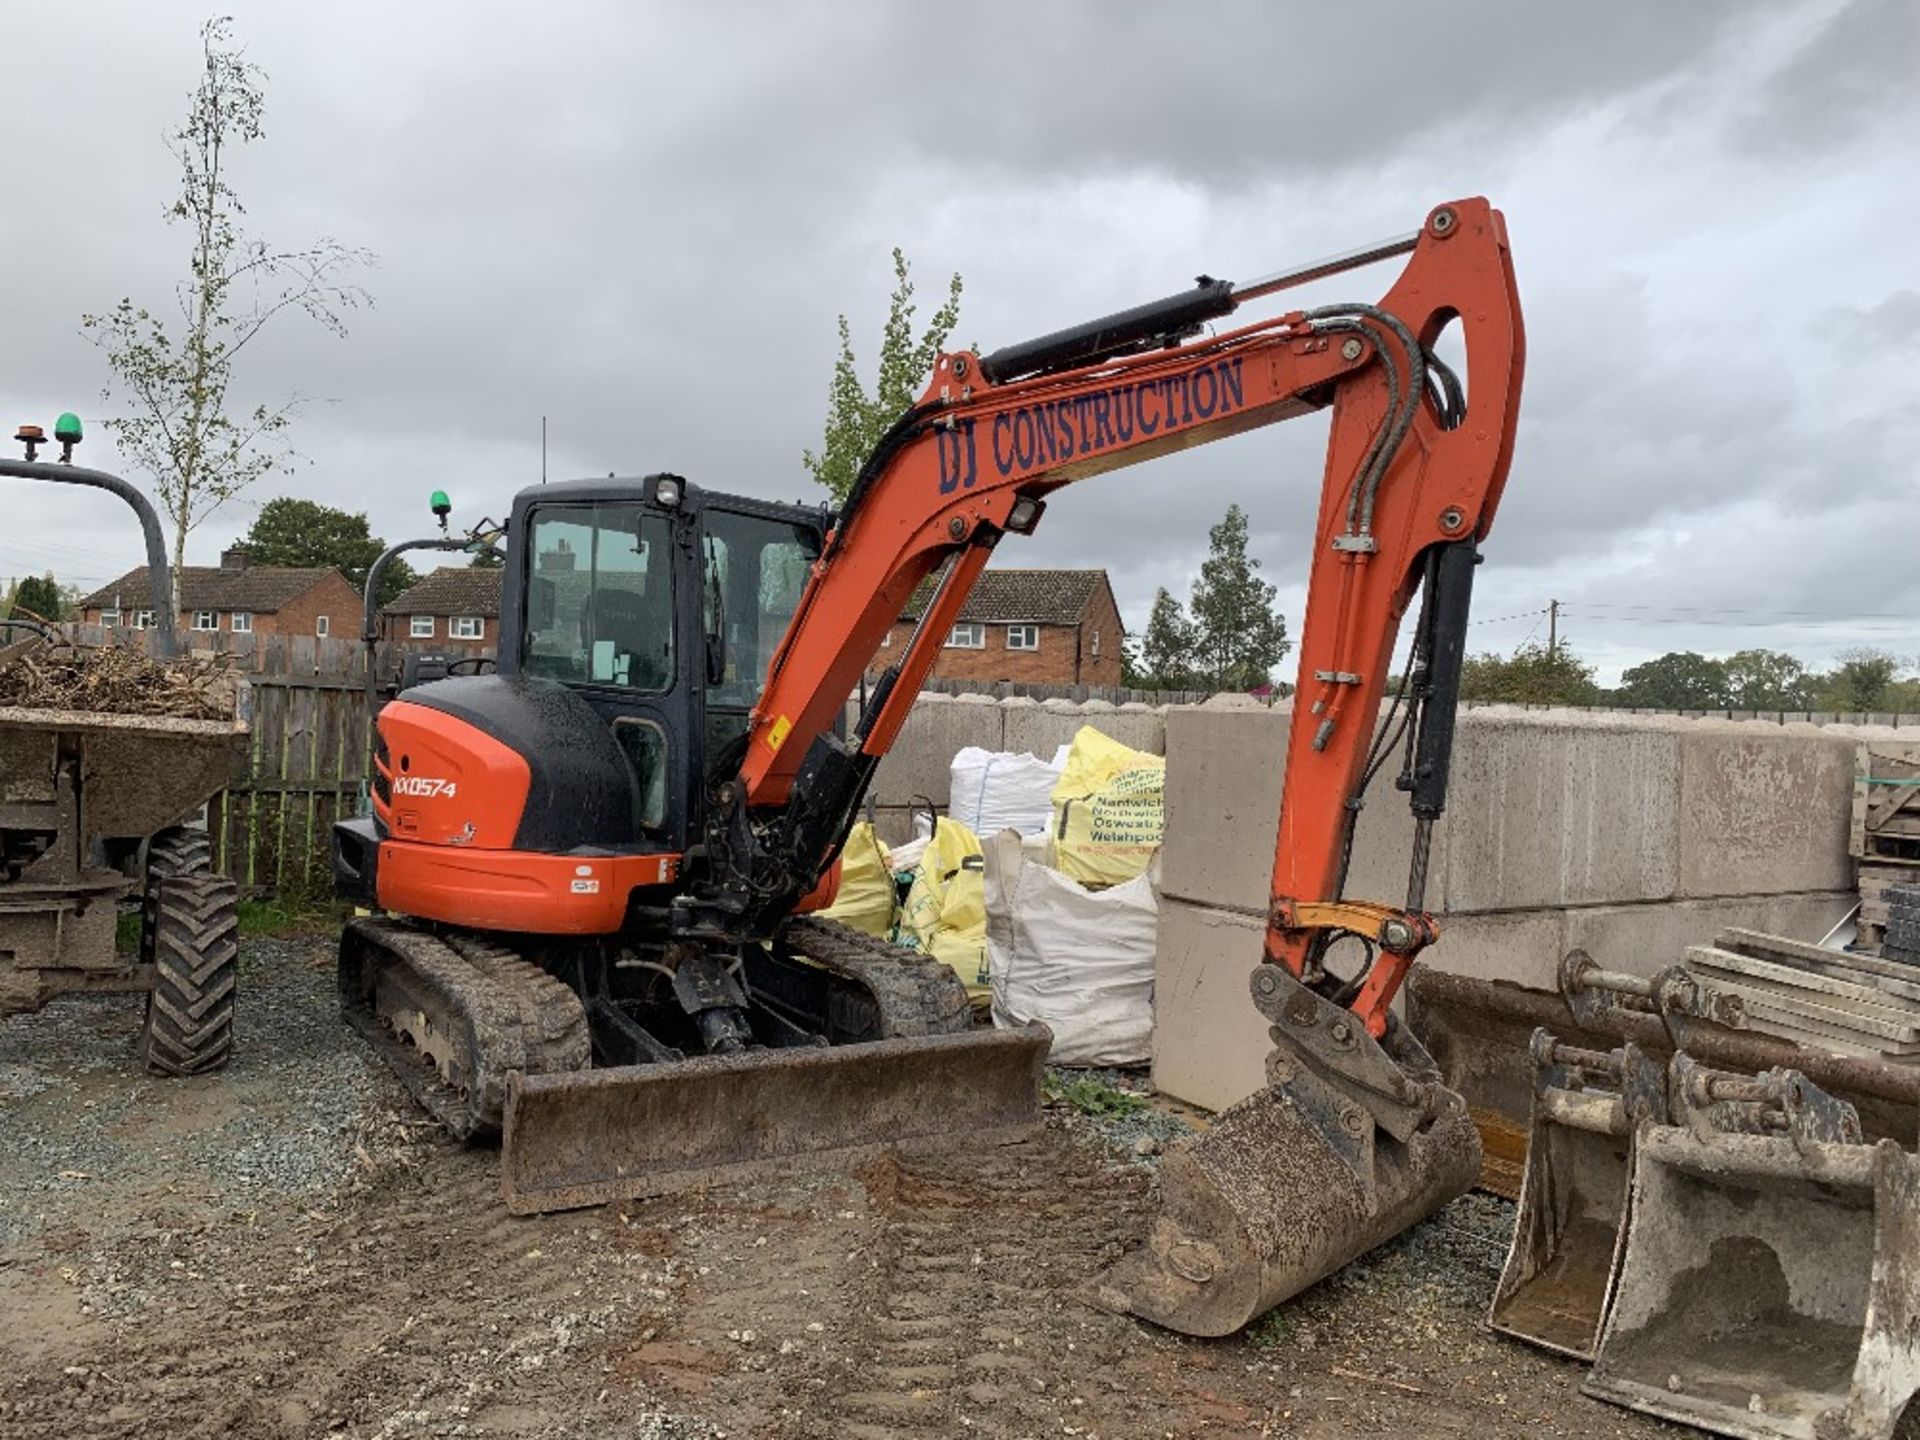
<point x="174" y="383"/>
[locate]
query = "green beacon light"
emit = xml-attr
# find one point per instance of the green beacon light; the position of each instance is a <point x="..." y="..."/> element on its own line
<point x="67" y="431"/>
<point x="442" y="506"/>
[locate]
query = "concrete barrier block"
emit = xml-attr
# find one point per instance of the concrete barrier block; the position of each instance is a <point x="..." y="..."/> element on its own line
<point x="1560" y="809"/>
<point x="1224" y="771"/>
<point x="1224" y="767"/>
<point x="1523" y="948"/>
<point x="1764" y="812"/>
<point x="1209" y="1043"/>
<point x="921" y="759"/>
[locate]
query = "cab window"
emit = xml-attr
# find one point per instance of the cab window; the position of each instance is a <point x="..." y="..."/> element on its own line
<point x="754" y="572"/>
<point x="600" y="597"/>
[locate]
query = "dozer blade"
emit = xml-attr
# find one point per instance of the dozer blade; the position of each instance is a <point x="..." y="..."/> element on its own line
<point x="1770" y="1288"/>
<point x="639" y="1130"/>
<point x="1558" y="1280"/>
<point x="1351" y="1142"/>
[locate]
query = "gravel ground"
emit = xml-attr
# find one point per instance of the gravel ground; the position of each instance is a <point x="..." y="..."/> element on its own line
<point x="287" y="1250"/>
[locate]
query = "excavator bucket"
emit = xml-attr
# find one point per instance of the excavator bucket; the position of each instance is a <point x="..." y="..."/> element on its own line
<point x="1559" y="1276"/>
<point x="592" y="1136"/>
<point x="1770" y="1284"/>
<point x="1352" y="1141"/>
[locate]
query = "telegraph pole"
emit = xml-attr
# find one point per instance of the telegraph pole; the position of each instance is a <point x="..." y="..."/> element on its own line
<point x="1553" y="627"/>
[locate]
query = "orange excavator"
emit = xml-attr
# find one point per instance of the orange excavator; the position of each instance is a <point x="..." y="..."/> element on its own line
<point x="590" y="871"/>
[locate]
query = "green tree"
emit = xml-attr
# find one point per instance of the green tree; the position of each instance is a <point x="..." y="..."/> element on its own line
<point x="1766" y="680"/>
<point x="1238" y="637"/>
<point x="40" y="597"/>
<point x="1165" y="650"/>
<point x="1678" y="680"/>
<point x="1532" y="675"/>
<point x="296" y="532"/>
<point x="856" y="419"/>
<point x="180" y="423"/>
<point x="1861" y="681"/>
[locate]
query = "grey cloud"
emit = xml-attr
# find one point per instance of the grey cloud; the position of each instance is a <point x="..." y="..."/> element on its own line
<point x="1861" y="62"/>
<point x="642" y="222"/>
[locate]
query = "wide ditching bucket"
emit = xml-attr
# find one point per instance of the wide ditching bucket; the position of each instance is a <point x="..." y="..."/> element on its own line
<point x="1770" y="1284"/>
<point x="589" y="1137"/>
<point x="1574" y="1194"/>
<point x="1352" y="1141"/>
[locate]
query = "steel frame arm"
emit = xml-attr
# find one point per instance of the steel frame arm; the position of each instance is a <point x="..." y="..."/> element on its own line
<point x="975" y="459"/>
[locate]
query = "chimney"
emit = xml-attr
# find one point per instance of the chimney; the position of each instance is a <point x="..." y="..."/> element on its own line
<point x="235" y="557"/>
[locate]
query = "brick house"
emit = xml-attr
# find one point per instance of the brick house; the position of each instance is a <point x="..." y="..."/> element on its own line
<point x="454" y="608"/>
<point x="237" y="597"/>
<point x="1047" y="627"/>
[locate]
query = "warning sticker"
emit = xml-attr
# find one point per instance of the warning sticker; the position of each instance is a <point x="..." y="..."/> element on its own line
<point x="777" y="732"/>
<point x="586" y="887"/>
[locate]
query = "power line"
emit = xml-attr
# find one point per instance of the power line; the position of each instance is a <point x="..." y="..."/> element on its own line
<point x="1496" y="619"/>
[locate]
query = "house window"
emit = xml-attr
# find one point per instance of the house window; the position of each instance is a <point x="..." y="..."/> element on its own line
<point x="206" y="620"/>
<point x="465" y="627"/>
<point x="240" y="622"/>
<point x="322" y="624"/>
<point x="421" y="627"/>
<point x="1023" y="637"/>
<point x="109" y="617"/>
<point x="143" y="620"/>
<point x="1096" y="644"/>
<point x="967" y="635"/>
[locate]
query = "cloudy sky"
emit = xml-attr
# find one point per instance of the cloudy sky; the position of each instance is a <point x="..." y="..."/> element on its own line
<point x="641" y="220"/>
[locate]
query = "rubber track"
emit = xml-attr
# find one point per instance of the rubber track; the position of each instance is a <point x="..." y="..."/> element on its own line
<point x="562" y="1040"/>
<point x="509" y="1014"/>
<point x="196" y="960"/>
<point x="916" y="994"/>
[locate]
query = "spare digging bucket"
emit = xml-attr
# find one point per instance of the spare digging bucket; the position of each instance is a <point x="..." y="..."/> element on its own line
<point x="589" y="1137"/>
<point x="1770" y="1288"/>
<point x="1352" y="1141"/>
<point x="1572" y="1222"/>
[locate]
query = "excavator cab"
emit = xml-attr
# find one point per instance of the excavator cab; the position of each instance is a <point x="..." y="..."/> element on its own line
<point x="636" y="617"/>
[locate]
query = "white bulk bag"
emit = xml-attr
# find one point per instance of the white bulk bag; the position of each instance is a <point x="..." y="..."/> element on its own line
<point x="1078" y="960"/>
<point x="994" y="790"/>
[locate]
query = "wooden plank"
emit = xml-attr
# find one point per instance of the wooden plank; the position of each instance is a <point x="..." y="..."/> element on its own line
<point x="1779" y="947"/>
<point x="1844" y="982"/>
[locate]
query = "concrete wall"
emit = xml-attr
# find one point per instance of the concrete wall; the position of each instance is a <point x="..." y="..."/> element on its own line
<point x="1630" y="837"/>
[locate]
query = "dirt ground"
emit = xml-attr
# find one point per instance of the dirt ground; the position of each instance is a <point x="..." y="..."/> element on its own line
<point x="286" y="1250"/>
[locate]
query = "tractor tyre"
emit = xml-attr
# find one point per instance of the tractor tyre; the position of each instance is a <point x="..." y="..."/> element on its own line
<point x="176" y="850"/>
<point x="196" y="964"/>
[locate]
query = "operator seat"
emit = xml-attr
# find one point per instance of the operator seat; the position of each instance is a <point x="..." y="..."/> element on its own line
<point x="638" y="629"/>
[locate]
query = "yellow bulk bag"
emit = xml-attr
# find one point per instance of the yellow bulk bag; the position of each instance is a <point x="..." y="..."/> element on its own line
<point x="1108" y="810"/>
<point x="946" y="910"/>
<point x="865" y="901"/>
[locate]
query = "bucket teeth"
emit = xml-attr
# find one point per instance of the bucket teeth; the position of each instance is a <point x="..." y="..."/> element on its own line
<point x="1352" y="1141"/>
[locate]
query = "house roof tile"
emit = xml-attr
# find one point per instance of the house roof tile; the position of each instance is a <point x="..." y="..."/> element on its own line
<point x="1001" y="597"/>
<point x="451" y="590"/>
<point x="258" y="589"/>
